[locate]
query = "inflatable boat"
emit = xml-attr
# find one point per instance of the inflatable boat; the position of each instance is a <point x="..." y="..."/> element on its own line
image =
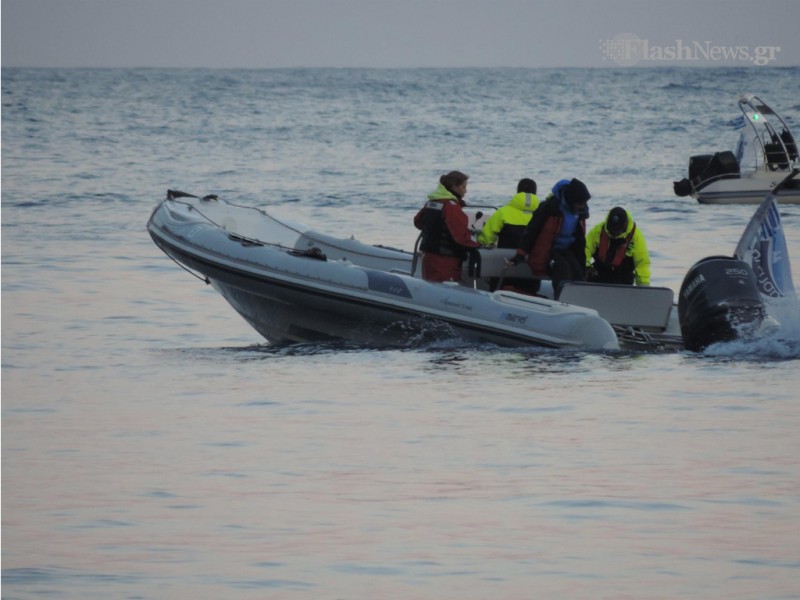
<point x="294" y="284"/>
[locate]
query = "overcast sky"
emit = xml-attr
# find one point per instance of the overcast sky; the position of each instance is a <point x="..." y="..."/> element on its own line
<point x="402" y="33"/>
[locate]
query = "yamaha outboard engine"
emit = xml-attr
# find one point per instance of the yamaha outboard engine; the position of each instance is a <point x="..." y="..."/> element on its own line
<point x="719" y="301"/>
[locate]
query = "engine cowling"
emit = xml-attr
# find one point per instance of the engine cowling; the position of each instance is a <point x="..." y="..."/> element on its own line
<point x="719" y="301"/>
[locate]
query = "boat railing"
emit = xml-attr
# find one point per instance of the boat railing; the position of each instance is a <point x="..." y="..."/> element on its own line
<point x="415" y="259"/>
<point x="292" y="236"/>
<point x="234" y="233"/>
<point x="780" y="150"/>
<point x="708" y="180"/>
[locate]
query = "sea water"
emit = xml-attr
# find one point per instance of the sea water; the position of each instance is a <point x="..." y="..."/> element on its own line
<point x="154" y="446"/>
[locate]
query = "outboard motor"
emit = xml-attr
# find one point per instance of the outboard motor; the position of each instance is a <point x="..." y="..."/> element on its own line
<point x="706" y="167"/>
<point x="719" y="301"/>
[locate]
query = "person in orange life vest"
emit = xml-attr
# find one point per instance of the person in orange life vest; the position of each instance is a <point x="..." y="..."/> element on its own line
<point x="446" y="238"/>
<point x="555" y="239"/>
<point x="616" y="251"/>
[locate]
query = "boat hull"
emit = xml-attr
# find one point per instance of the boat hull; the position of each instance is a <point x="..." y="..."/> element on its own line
<point x="745" y="190"/>
<point x="289" y="296"/>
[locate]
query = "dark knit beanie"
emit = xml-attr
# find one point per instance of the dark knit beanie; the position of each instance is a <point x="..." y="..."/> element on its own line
<point x="575" y="192"/>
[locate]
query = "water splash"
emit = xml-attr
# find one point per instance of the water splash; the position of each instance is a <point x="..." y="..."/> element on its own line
<point x="780" y="342"/>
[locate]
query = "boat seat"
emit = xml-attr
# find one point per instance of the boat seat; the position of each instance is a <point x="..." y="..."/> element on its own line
<point x="777" y="158"/>
<point x="494" y="263"/>
<point x="791" y="146"/>
<point x="625" y="305"/>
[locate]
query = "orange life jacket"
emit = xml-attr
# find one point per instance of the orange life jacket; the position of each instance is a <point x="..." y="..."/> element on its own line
<point x="539" y="256"/>
<point x="604" y="257"/>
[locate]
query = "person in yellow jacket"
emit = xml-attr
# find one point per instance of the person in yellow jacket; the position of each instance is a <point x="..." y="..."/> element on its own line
<point x="505" y="227"/>
<point x="616" y="251"/>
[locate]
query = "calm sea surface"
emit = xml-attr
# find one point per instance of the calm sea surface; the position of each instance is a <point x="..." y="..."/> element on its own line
<point x="154" y="446"/>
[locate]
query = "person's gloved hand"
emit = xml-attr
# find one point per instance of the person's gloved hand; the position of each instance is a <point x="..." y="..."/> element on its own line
<point x="474" y="262"/>
<point x="516" y="259"/>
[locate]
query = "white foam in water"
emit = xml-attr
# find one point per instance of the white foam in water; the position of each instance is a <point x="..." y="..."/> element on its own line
<point x="780" y="341"/>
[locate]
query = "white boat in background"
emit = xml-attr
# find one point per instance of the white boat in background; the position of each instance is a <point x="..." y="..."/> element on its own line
<point x="294" y="284"/>
<point x="764" y="156"/>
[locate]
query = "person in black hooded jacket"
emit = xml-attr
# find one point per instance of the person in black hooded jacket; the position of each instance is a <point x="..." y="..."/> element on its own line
<point x="555" y="238"/>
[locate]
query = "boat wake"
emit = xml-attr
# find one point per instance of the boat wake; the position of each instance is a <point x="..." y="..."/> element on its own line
<point x="780" y="343"/>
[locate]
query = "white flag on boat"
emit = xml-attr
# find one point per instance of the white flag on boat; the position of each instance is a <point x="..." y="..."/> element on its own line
<point x="763" y="247"/>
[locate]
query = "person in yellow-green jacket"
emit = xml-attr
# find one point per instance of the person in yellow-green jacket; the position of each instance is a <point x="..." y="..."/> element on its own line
<point x="505" y="227"/>
<point x="616" y="251"/>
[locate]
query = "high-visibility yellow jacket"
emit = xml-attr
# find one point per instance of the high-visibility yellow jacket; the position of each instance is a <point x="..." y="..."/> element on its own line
<point x="636" y="257"/>
<point x="506" y="225"/>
